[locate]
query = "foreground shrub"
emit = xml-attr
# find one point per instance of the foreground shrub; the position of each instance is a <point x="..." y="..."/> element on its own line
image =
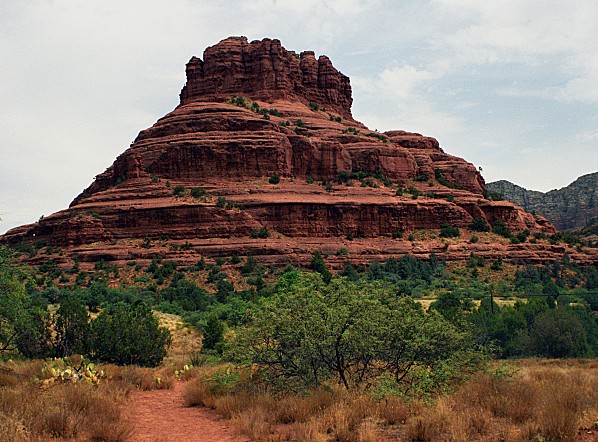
<point x="311" y="332"/>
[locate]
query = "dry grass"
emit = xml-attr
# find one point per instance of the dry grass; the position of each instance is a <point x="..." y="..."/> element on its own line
<point x="63" y="411"/>
<point x="536" y="400"/>
<point x="68" y="410"/>
<point x="186" y="340"/>
<point x="254" y="423"/>
<point x="197" y="393"/>
<point x="544" y="401"/>
<point x="142" y="378"/>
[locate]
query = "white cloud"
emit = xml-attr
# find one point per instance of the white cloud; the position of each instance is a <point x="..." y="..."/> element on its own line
<point x="550" y="35"/>
<point x="403" y="99"/>
<point x="405" y="80"/>
<point x="590" y="135"/>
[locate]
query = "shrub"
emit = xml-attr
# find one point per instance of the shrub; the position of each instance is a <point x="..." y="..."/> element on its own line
<point x="213" y="334"/>
<point x="318" y="264"/>
<point x="440" y="178"/>
<point x="241" y="102"/>
<point x="378" y="136"/>
<point x="263" y="232"/>
<point x="448" y="231"/>
<point x="314" y="107"/>
<point x="342" y="252"/>
<point x="221" y="202"/>
<point x="274" y="179"/>
<point x="497" y="265"/>
<point x="500" y="228"/>
<point x="352" y="130"/>
<point x="413" y="191"/>
<point x="129" y="335"/>
<point x="249" y="266"/>
<point x="179" y="191"/>
<point x="198" y="192"/>
<point x="522" y="236"/>
<point x="479" y="225"/>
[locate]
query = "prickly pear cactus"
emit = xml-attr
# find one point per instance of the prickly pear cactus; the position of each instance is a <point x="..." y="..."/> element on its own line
<point x="63" y="370"/>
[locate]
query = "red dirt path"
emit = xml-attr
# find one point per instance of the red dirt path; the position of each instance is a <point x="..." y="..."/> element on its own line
<point x="161" y="416"/>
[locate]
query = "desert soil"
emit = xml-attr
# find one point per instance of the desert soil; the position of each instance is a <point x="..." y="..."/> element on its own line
<point x="161" y="416"/>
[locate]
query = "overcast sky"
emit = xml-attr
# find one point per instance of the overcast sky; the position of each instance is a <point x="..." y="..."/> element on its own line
<point x="511" y="85"/>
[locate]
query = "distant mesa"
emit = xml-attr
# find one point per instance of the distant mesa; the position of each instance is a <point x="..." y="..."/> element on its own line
<point x="262" y="156"/>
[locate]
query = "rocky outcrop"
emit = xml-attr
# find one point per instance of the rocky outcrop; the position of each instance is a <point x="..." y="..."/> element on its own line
<point x="283" y="156"/>
<point x="567" y="208"/>
<point x="264" y="70"/>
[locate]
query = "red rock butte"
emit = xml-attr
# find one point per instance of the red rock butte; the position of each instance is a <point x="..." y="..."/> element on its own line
<point x="264" y="138"/>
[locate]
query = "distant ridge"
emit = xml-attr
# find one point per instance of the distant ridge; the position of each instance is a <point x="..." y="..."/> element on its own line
<point x="567" y="208"/>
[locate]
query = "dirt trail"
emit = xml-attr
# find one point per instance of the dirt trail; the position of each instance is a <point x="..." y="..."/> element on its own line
<point x="161" y="416"/>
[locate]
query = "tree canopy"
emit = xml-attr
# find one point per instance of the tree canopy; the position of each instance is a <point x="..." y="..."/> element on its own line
<point x="353" y="332"/>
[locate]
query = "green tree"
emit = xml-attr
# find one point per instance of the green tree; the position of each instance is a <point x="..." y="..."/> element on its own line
<point x="213" y="337"/>
<point x="448" y="231"/>
<point x="13" y="299"/>
<point x="500" y="228"/>
<point x="72" y="328"/>
<point x="556" y="333"/>
<point x="33" y="333"/>
<point x="24" y="321"/>
<point x="129" y="335"/>
<point x="452" y="306"/>
<point x="318" y="264"/>
<point x="310" y="332"/>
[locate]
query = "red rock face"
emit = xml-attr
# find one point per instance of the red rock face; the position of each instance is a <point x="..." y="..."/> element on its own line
<point x="338" y="179"/>
<point x="265" y="70"/>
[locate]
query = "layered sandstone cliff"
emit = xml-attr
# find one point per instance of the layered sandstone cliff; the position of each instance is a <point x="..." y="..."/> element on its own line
<point x="264" y="138"/>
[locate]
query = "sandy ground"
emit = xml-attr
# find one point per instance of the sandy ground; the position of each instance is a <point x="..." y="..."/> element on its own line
<point x="161" y="416"/>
